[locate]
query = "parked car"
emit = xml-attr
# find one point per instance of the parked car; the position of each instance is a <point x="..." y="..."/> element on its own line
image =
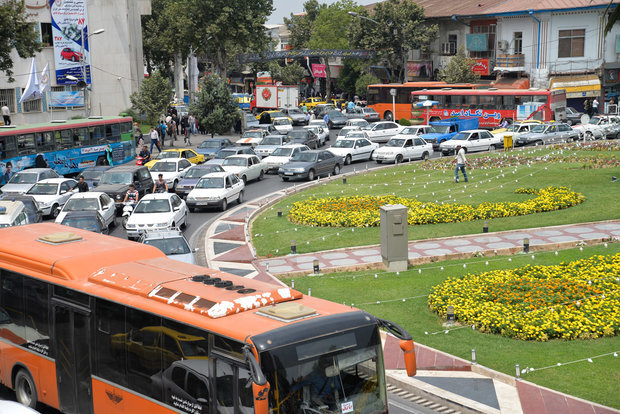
<point x="304" y="137"/>
<point x="115" y="182"/>
<point x="336" y="119"/>
<point x="283" y="125"/>
<point x="403" y="147"/>
<point x="311" y="164"/>
<point x="547" y="134"/>
<point x="92" y="175"/>
<point x="612" y="123"/>
<point x="23" y="180"/>
<point x="345" y="130"/>
<point x="282" y="155"/>
<point x="89" y="220"/>
<point x="69" y="54"/>
<point x="227" y="152"/>
<point x="296" y="115"/>
<point x="321" y="134"/>
<point x="210" y="147"/>
<point x="13" y="213"/>
<point x="172" y="243"/>
<point x="90" y="201"/>
<point x="359" y="122"/>
<point x="52" y="193"/>
<point x="158" y="211"/>
<point x="474" y="140"/>
<point x="382" y="131"/>
<point x="252" y="137"/>
<point x="33" y="211"/>
<point x="216" y="190"/>
<point x="367" y="114"/>
<point x="573" y="116"/>
<point x="13" y="407"/>
<point x="353" y="149"/>
<point x="195" y="173"/>
<point x="270" y="143"/>
<point x="246" y="167"/>
<point x="187" y="153"/>
<point x="172" y="169"/>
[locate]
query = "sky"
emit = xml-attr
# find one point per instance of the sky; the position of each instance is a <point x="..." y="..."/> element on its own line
<point x="284" y="8"/>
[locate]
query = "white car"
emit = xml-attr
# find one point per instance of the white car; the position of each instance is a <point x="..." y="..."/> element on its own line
<point x="158" y="211"/>
<point x="90" y="201"/>
<point x="216" y="190"/>
<point x="322" y="133"/>
<point x="353" y="149"/>
<point x="415" y="130"/>
<point x="283" y="125"/>
<point x="382" y="131"/>
<point x="596" y="128"/>
<point x="472" y="140"/>
<point x="172" y="243"/>
<point x="515" y="130"/>
<point x="345" y="130"/>
<point x="246" y="167"/>
<point x="401" y="148"/>
<point x="357" y="122"/>
<point x="282" y="155"/>
<point x="172" y="169"/>
<point x="321" y="123"/>
<point x="51" y="194"/>
<point x="270" y="143"/>
<point x="23" y="180"/>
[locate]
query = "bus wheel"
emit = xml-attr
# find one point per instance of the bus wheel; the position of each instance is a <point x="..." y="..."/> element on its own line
<point x="387" y="116"/>
<point x="25" y="390"/>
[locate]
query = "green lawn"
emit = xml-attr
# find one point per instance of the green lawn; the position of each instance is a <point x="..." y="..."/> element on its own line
<point x="272" y="235"/>
<point x="597" y="381"/>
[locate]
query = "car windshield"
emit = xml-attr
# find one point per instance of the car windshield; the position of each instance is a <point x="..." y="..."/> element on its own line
<point x="23" y="178"/>
<point x="395" y="142"/>
<point x="282" y="152"/>
<point x="211" y="182"/>
<point x="225" y="153"/>
<point x="235" y="161"/>
<point x="344" y="143"/>
<point x="297" y="134"/>
<point x="210" y="144"/>
<point x="409" y="131"/>
<point x="318" y="123"/>
<point x="116" y="178"/>
<point x="440" y="129"/>
<point x="91" y="175"/>
<point x="283" y="121"/>
<point x="44" y="189"/>
<point x="370" y="126"/>
<point x="199" y="172"/>
<point x="357" y="122"/>
<point x="334" y="114"/>
<point x="295" y="112"/>
<point x="170" y="246"/>
<point x="152" y="206"/>
<point x="271" y="141"/>
<point x="356" y="134"/>
<point x="164" y="167"/>
<point x="253" y="134"/>
<point x="167" y="154"/>
<point x="368" y="111"/>
<point x="84" y="223"/>
<point x="461" y="136"/>
<point x="80" y="204"/>
<point x="595" y="120"/>
<point x="305" y="157"/>
<point x="538" y="128"/>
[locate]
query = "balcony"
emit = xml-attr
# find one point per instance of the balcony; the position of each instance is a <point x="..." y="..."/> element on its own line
<point x="510" y="63"/>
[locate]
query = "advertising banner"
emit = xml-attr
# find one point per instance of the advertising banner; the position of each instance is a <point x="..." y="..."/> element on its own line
<point x="481" y="67"/>
<point x="67" y="98"/>
<point x="318" y="71"/>
<point x="69" y="29"/>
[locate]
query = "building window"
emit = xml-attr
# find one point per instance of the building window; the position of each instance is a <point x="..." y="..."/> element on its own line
<point x="571" y="43"/>
<point x="7" y="97"/>
<point x="46" y="34"/>
<point x="517" y="39"/>
<point x="31" y="106"/>
<point x="489" y="30"/>
<point x="449" y="48"/>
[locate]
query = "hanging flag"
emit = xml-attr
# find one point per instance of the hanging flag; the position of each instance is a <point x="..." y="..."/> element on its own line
<point x="32" y="90"/>
<point x="44" y="85"/>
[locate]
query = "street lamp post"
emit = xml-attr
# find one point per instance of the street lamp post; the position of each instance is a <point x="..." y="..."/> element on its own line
<point x="84" y="78"/>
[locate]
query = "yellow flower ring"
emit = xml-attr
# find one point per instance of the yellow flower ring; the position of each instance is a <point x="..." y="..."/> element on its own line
<point x="363" y="211"/>
<point x="575" y="300"/>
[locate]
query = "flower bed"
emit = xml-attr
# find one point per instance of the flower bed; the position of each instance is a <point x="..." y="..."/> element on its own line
<point x="363" y="211"/>
<point x="575" y="300"/>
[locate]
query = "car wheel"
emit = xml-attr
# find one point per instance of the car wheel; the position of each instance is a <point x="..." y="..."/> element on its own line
<point x="310" y="175"/>
<point x="492" y="148"/>
<point x="425" y="156"/>
<point x="192" y="209"/>
<point x="54" y="211"/>
<point x="347" y="160"/>
<point x="336" y="169"/>
<point x="399" y="159"/>
<point x="569" y="122"/>
<point x="379" y="161"/>
<point x="240" y="199"/>
<point x="589" y="136"/>
<point x="284" y="178"/>
<point x="73" y="59"/>
<point x="261" y="175"/>
<point x="25" y="389"/>
<point x="224" y="205"/>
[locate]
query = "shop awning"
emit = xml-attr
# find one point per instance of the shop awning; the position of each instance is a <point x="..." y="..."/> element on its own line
<point x="577" y="86"/>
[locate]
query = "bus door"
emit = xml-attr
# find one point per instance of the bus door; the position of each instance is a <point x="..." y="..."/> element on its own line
<point x="71" y="340"/>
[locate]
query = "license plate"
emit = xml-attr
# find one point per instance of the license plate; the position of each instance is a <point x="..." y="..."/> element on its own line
<point x="288" y="173"/>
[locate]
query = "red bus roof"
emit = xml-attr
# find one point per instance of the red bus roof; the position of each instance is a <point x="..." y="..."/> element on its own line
<point x="59" y="125"/>
<point x="429" y="84"/>
<point x="450" y="91"/>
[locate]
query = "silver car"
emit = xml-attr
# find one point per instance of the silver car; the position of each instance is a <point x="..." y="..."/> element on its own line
<point x="547" y="134"/>
<point x="172" y="243"/>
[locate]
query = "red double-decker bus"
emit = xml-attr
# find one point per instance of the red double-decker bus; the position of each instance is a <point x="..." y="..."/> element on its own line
<point x="492" y="105"/>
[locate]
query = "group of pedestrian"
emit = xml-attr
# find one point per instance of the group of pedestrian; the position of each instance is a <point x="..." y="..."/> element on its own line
<point x="590" y="106"/>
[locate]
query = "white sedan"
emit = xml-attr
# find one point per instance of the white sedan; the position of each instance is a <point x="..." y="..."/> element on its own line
<point x="473" y="140"/>
<point x="216" y="190"/>
<point x="51" y="194"/>
<point x="246" y="167"/>
<point x="282" y="155"/>
<point x="172" y="170"/>
<point x="320" y="123"/>
<point x="322" y="133"/>
<point x="90" y="201"/>
<point x="159" y="211"/>
<point x="403" y="148"/>
<point x="353" y="148"/>
<point x="382" y="131"/>
<point x="282" y="125"/>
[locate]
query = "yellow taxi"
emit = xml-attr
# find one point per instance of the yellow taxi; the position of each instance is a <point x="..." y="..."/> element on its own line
<point x="187" y="153"/>
<point x="312" y="102"/>
<point x="272" y="115"/>
<point x="338" y="102"/>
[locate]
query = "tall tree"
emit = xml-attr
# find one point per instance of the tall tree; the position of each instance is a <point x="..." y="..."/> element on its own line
<point x="153" y="97"/>
<point x="16" y="31"/>
<point x="349" y="74"/>
<point x="214" y="107"/>
<point x="361" y="85"/>
<point x="459" y="70"/>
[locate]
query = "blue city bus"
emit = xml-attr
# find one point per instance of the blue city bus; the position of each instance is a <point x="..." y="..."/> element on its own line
<point x="68" y="146"/>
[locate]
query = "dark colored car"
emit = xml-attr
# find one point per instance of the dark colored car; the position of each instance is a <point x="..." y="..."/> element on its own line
<point x="92" y="175"/>
<point x="336" y="119"/>
<point x="311" y="164"/>
<point x="34" y="213"/>
<point x="115" y="182"/>
<point x="321" y="109"/>
<point x="297" y="116"/>
<point x="227" y="152"/>
<point x="86" y="220"/>
<point x="304" y="137"/>
<point x="195" y="173"/>
<point x="210" y="147"/>
<point x="573" y="116"/>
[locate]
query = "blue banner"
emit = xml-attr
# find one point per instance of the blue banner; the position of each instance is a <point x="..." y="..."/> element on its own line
<point x="67" y="98"/>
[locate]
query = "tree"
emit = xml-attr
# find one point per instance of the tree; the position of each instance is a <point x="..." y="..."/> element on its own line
<point x="290" y="74"/>
<point x="349" y="74"/>
<point x="16" y="31"/>
<point x="214" y="107"/>
<point x="154" y="96"/>
<point x="459" y="70"/>
<point x="361" y="85"/>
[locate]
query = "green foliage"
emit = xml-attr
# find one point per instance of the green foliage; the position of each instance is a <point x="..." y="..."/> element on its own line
<point x="290" y="74"/>
<point x="349" y="74"/>
<point x="361" y="85"/>
<point x="16" y="32"/>
<point x="459" y="70"/>
<point x="404" y="122"/>
<point x="153" y="98"/>
<point x="214" y="108"/>
<point x="130" y="112"/>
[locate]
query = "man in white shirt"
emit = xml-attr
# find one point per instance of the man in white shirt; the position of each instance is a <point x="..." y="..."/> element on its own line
<point x="460" y="163"/>
<point x="6" y="114"/>
<point x="595" y="106"/>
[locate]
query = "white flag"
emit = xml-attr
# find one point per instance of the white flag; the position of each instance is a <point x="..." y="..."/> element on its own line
<point x="32" y="90"/>
<point x="44" y="85"/>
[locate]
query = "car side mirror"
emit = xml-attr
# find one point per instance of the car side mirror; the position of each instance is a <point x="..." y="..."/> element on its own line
<point x="176" y="208"/>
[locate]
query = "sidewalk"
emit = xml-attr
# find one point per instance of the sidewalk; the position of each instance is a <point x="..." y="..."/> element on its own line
<point x="445" y="383"/>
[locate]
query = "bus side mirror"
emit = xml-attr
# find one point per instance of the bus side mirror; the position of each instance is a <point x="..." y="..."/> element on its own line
<point x="409" y="350"/>
<point x="260" y="385"/>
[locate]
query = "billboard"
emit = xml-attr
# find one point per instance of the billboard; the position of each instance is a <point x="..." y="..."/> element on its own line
<point x="69" y="29"/>
<point x="67" y="98"/>
<point x="318" y="71"/>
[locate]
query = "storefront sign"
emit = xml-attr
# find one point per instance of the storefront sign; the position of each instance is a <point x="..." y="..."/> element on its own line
<point x="318" y="71"/>
<point x="481" y="67"/>
<point x="69" y="29"/>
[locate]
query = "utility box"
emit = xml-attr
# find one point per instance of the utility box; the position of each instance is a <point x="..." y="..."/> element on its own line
<point x="394" y="228"/>
<point x="508" y="142"/>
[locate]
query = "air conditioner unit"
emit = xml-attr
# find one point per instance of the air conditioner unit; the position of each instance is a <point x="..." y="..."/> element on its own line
<point x="502" y="45"/>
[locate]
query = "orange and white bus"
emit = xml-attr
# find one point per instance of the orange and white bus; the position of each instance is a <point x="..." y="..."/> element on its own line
<point x="379" y="97"/>
<point x="94" y="324"/>
<point x="492" y="105"/>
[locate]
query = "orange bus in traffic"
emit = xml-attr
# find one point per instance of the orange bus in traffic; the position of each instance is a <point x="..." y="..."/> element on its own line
<point x="95" y="324"/>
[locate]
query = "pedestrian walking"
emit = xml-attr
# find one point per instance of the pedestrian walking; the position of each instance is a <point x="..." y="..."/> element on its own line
<point x="192" y="123"/>
<point x="6" y="114"/>
<point x="461" y="161"/>
<point x="108" y="155"/>
<point x="595" y="106"/>
<point x="82" y="185"/>
<point x="154" y="140"/>
<point x="587" y="107"/>
<point x="162" y="128"/>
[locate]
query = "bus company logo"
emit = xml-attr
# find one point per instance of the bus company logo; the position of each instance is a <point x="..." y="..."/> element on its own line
<point x="113" y="396"/>
<point x="266" y="94"/>
<point x="262" y="394"/>
<point x="346" y="407"/>
<point x="477" y="113"/>
<point x="90" y="150"/>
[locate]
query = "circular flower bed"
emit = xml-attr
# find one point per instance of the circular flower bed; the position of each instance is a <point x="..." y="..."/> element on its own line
<point x="576" y="300"/>
<point x="363" y="211"/>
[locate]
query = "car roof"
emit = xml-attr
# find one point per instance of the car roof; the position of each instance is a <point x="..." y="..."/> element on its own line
<point x="241" y="156"/>
<point x="161" y="234"/>
<point x="350" y="138"/>
<point x="292" y="146"/>
<point x="126" y="167"/>
<point x="55" y="180"/>
<point x="88" y="194"/>
<point x="98" y="168"/>
<point x="217" y="138"/>
<point x="177" y="159"/>
<point x="280" y="117"/>
<point x="176" y="149"/>
<point x="157" y="196"/>
<point x="10" y="206"/>
<point x="218" y="174"/>
<point x="202" y="167"/>
<point x="235" y="148"/>
<point x="474" y="130"/>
